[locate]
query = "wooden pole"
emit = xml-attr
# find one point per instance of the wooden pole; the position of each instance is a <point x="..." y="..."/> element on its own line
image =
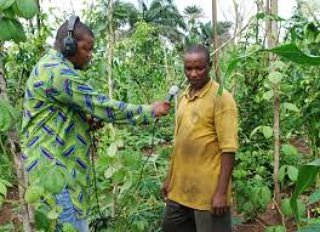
<point x="215" y="42"/>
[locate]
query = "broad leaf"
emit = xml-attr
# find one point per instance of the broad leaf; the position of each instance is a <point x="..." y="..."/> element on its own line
<point x="315" y="197"/>
<point x="5" y="4"/>
<point x="33" y="194"/>
<point x="265" y="195"/>
<point x="268" y="95"/>
<point x="26" y="8"/>
<point x="3" y="189"/>
<point x="11" y="29"/>
<point x="267" y="131"/>
<point x="292" y="173"/>
<point x="289" y="150"/>
<point x="307" y="175"/>
<point x="286" y="208"/>
<point x="112" y="149"/>
<point x="1" y="200"/>
<point x="275" y="77"/>
<point x="294" y="54"/>
<point x="54" y="181"/>
<point x="291" y="107"/>
<point x="282" y="173"/>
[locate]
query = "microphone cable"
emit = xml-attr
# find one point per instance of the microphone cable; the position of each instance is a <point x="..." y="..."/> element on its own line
<point x="102" y="221"/>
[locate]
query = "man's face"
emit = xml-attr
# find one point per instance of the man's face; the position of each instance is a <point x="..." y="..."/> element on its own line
<point x="196" y="68"/>
<point x="84" y="52"/>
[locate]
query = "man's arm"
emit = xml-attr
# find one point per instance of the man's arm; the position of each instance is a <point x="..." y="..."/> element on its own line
<point x="70" y="90"/>
<point x="227" y="133"/>
<point x="220" y="201"/>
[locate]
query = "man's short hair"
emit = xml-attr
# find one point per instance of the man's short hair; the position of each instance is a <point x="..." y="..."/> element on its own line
<point x="79" y="30"/>
<point x="199" y="48"/>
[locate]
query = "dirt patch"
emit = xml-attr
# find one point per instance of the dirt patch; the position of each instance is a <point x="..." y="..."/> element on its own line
<point x="269" y="218"/>
<point x="7" y="215"/>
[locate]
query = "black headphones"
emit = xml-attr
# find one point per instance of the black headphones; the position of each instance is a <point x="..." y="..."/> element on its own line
<point x="69" y="44"/>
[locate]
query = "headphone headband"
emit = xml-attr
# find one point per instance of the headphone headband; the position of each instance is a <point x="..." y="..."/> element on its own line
<point x="72" y="23"/>
<point x="69" y="44"/>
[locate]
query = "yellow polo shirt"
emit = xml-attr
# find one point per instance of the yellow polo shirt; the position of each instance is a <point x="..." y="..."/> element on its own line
<point x="206" y="126"/>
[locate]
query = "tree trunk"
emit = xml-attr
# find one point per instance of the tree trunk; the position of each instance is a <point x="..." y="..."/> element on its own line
<point x="215" y="42"/>
<point x="237" y="17"/>
<point x="111" y="40"/>
<point x="38" y="17"/>
<point x="26" y="213"/>
<point x="272" y="39"/>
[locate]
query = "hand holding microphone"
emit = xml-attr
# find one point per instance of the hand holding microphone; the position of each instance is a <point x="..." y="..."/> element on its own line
<point x="162" y="108"/>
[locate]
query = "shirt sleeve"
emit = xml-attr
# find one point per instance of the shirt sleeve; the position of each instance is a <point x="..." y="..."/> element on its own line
<point x="226" y="123"/>
<point x="68" y="88"/>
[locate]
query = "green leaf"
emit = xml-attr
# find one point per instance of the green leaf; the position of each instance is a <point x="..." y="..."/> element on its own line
<point x="10" y="13"/>
<point x="275" y="77"/>
<point x="41" y="220"/>
<point x="67" y="227"/>
<point x="112" y="149"/>
<point x="53" y="181"/>
<point x="289" y="150"/>
<point x="267" y="131"/>
<point x="6" y="183"/>
<point x="11" y="29"/>
<point x="255" y="130"/>
<point x="3" y="189"/>
<point x="248" y="207"/>
<point x="110" y="171"/>
<point x="33" y="194"/>
<point x="1" y="200"/>
<point x="268" y="95"/>
<point x="53" y="214"/>
<point x="264" y="196"/>
<point x="292" y="173"/>
<point x="18" y="35"/>
<point x="290" y="106"/>
<point x="294" y="54"/>
<point x="286" y="207"/>
<point x="306" y="176"/>
<point x="5" y="4"/>
<point x="314" y="197"/>
<point x="282" y="173"/>
<point x="277" y="65"/>
<point x="276" y="229"/>
<point x="26" y="8"/>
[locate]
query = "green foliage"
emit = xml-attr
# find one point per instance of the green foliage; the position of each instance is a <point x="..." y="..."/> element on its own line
<point x="8" y="115"/>
<point x="294" y="54"/>
<point x="276" y="229"/>
<point x="26" y="8"/>
<point x="314" y="197"/>
<point x="10" y="27"/>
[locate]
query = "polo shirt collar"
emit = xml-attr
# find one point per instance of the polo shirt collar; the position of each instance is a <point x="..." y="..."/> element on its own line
<point x="201" y="93"/>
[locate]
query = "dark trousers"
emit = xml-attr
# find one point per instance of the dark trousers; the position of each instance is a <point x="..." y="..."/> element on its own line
<point x="178" y="218"/>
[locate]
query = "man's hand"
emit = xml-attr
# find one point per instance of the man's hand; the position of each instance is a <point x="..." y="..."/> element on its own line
<point x="165" y="190"/>
<point x="219" y="204"/>
<point x="161" y="108"/>
<point x="93" y="123"/>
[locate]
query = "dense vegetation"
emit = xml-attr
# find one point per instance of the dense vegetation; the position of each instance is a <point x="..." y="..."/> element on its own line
<point x="137" y="57"/>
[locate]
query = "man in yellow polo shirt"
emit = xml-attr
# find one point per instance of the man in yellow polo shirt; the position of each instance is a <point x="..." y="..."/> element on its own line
<point x="198" y="184"/>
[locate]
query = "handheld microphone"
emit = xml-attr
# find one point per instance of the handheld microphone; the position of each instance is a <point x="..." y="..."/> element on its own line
<point x="173" y="91"/>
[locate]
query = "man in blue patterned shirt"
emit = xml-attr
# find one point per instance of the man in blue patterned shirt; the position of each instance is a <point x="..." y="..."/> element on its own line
<point x="56" y="134"/>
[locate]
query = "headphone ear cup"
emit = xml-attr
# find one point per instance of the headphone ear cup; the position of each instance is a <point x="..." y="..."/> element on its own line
<point x="69" y="47"/>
